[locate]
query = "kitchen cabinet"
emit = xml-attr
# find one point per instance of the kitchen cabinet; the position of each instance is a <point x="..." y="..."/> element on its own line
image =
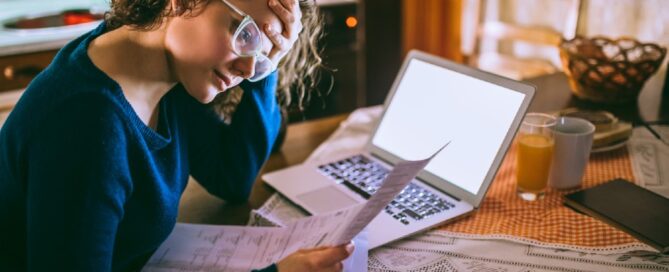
<point x="18" y="70"/>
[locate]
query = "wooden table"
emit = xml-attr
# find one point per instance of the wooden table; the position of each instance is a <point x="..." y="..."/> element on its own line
<point x="198" y="206"/>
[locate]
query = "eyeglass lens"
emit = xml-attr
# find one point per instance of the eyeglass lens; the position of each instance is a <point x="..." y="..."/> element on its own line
<point x="248" y="42"/>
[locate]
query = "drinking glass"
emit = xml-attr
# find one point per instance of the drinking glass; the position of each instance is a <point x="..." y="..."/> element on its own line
<point x="535" y="152"/>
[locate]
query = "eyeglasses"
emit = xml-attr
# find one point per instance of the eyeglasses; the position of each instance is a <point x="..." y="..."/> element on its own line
<point x="247" y="42"/>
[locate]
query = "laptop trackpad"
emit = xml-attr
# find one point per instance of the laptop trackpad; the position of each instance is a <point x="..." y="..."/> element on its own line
<point x="326" y="199"/>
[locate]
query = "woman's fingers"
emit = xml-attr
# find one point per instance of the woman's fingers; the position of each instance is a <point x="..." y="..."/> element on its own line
<point x="287" y="16"/>
<point x="290" y="15"/>
<point x="317" y="259"/>
<point x="294" y="8"/>
<point x="277" y="39"/>
<point x="338" y="267"/>
<point x="281" y="44"/>
<point x="289" y="4"/>
<point x="333" y="256"/>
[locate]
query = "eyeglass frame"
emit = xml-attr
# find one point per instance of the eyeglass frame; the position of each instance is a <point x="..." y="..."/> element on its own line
<point x="247" y="19"/>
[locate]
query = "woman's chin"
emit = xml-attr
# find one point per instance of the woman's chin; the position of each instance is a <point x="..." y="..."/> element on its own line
<point x="210" y="95"/>
<point x="204" y="95"/>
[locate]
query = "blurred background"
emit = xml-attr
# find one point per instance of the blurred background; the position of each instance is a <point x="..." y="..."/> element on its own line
<point x="366" y="40"/>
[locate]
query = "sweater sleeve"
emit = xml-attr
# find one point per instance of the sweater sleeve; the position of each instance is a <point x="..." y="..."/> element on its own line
<point x="226" y="159"/>
<point x="77" y="183"/>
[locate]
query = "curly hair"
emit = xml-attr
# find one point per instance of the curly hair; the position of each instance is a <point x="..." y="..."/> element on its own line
<point x="299" y="70"/>
<point x="302" y="65"/>
<point x="145" y="14"/>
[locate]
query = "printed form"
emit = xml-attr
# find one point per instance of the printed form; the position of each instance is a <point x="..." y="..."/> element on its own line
<point x="194" y="247"/>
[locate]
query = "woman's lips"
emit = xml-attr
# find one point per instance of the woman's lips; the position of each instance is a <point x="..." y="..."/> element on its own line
<point x="224" y="79"/>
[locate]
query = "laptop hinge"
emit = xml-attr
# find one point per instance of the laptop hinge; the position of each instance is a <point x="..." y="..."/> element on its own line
<point x="440" y="190"/>
<point x="418" y="178"/>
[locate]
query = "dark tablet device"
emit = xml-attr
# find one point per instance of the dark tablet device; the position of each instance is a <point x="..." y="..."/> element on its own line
<point x="628" y="207"/>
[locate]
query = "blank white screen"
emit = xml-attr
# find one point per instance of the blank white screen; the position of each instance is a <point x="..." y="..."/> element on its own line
<point x="433" y="105"/>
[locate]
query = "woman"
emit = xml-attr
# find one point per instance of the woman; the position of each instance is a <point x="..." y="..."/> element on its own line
<point x="96" y="154"/>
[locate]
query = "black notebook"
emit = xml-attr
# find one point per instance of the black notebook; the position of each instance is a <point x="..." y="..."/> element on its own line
<point x="628" y="207"/>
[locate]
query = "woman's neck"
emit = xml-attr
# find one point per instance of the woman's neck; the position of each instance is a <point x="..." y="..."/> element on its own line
<point x="138" y="62"/>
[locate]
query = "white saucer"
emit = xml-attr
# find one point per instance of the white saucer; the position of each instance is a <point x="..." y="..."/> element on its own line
<point x="610" y="147"/>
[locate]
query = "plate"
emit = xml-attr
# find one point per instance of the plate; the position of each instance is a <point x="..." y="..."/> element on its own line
<point x="610" y="147"/>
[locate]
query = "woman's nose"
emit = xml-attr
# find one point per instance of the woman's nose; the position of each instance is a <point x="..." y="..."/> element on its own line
<point x="245" y="66"/>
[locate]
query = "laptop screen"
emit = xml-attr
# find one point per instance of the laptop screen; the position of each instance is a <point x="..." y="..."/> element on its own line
<point x="433" y="105"/>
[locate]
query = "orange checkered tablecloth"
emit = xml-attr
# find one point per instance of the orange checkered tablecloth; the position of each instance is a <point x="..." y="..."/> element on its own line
<point x="547" y="220"/>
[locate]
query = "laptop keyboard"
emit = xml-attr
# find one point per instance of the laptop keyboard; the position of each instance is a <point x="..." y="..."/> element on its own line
<point x="365" y="176"/>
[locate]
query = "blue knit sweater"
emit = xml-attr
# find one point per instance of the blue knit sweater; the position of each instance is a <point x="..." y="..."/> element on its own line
<point x="85" y="185"/>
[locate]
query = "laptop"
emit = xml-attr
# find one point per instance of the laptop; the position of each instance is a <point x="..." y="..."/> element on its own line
<point x="432" y="100"/>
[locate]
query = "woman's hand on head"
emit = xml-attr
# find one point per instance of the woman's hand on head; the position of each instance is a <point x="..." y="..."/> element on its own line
<point x="316" y="259"/>
<point x="290" y="15"/>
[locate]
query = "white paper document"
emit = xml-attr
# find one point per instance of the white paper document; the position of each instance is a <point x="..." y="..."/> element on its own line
<point x="650" y="157"/>
<point x="192" y="247"/>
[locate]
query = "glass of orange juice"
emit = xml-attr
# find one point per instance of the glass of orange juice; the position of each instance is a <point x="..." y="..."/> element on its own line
<point x="535" y="153"/>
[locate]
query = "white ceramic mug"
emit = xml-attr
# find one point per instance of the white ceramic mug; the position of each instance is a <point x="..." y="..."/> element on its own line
<point x="573" y="142"/>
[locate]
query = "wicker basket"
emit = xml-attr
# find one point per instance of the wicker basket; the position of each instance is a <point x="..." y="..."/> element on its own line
<point x="609" y="71"/>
